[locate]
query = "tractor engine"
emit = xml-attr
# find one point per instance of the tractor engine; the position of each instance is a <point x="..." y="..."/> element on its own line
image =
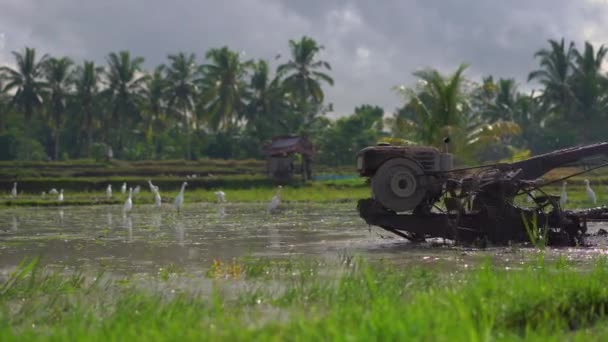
<point x="404" y="178"/>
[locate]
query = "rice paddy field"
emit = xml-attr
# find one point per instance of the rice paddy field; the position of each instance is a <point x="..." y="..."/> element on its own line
<point x="313" y="270"/>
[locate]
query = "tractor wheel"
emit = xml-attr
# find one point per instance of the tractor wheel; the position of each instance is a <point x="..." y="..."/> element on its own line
<point x="399" y="184"/>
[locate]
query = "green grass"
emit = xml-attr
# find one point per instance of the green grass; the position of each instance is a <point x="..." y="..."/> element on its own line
<point x="358" y="301"/>
<point x="320" y="191"/>
<point x="311" y="192"/>
<point x="16" y="170"/>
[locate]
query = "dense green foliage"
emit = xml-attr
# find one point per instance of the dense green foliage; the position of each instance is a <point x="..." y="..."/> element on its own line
<point x="228" y="107"/>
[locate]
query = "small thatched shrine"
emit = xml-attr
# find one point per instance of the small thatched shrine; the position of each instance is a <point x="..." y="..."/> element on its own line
<point x="288" y="155"/>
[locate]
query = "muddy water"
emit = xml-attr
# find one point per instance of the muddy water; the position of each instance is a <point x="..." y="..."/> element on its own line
<point x="101" y="236"/>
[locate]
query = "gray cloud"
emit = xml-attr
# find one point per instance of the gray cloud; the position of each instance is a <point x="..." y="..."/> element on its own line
<point x="372" y="46"/>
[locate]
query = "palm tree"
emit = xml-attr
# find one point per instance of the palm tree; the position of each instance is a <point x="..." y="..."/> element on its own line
<point x="26" y="81"/>
<point x="268" y="108"/>
<point x="224" y="87"/>
<point x="301" y="72"/>
<point x="86" y="79"/>
<point x="3" y="105"/>
<point x="155" y="107"/>
<point x="554" y="75"/>
<point x="439" y="105"/>
<point x="182" y="88"/>
<point x="125" y="81"/>
<point x="588" y="85"/>
<point x="506" y="98"/>
<point x="58" y="76"/>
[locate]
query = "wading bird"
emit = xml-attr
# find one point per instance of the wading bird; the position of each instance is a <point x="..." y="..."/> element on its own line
<point x="590" y="192"/>
<point x="53" y="191"/>
<point x="128" y="203"/>
<point x="153" y="187"/>
<point x="220" y="195"/>
<point x="123" y="188"/>
<point x="157" y="199"/>
<point x="109" y="191"/>
<point x="563" y="198"/>
<point x="136" y="190"/>
<point x="179" y="200"/>
<point x="275" y="201"/>
<point x="60" y="198"/>
<point x="14" y="190"/>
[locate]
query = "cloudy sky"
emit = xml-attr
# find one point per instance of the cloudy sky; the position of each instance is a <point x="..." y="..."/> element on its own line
<point x="371" y="45"/>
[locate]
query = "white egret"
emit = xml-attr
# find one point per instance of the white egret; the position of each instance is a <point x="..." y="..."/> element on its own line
<point x="109" y="191"/>
<point x="157" y="198"/>
<point x="152" y="186"/>
<point x="275" y="201"/>
<point x="590" y="192"/>
<point x="53" y="191"/>
<point x="60" y="198"/>
<point x="220" y="195"/>
<point x="43" y="194"/>
<point x="14" y="190"/>
<point x="129" y="202"/>
<point x="563" y="198"/>
<point x="123" y="188"/>
<point x="179" y="200"/>
<point x="136" y="190"/>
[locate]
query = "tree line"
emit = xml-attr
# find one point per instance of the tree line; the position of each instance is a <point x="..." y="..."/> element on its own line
<point x="225" y="107"/>
<point x="493" y="119"/>
<point x="228" y="107"/>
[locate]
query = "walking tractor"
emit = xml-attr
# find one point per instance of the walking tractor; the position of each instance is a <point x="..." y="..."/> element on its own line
<point x="418" y="194"/>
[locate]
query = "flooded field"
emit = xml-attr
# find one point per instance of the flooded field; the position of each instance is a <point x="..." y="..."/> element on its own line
<point x="235" y="272"/>
<point x="101" y="236"/>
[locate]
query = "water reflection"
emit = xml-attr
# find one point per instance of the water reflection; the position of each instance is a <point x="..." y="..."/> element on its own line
<point x="179" y="232"/>
<point x="127" y="223"/>
<point x="14" y="224"/>
<point x="157" y="220"/>
<point x="221" y="211"/>
<point x="150" y="236"/>
<point x="61" y="216"/>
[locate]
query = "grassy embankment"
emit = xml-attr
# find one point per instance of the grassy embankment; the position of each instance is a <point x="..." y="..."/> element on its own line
<point x="84" y="182"/>
<point x="539" y="301"/>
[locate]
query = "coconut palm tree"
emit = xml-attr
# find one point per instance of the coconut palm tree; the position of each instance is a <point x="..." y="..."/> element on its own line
<point x="439" y="104"/>
<point x="125" y="83"/>
<point x="183" y="79"/>
<point x="155" y="107"/>
<point x="57" y="72"/>
<point x="26" y="80"/>
<point x="440" y="107"/>
<point x="86" y="79"/>
<point x="268" y="109"/>
<point x="224" y="87"/>
<point x="3" y="105"/>
<point x="302" y="72"/>
<point x="554" y="75"/>
<point x="589" y="86"/>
